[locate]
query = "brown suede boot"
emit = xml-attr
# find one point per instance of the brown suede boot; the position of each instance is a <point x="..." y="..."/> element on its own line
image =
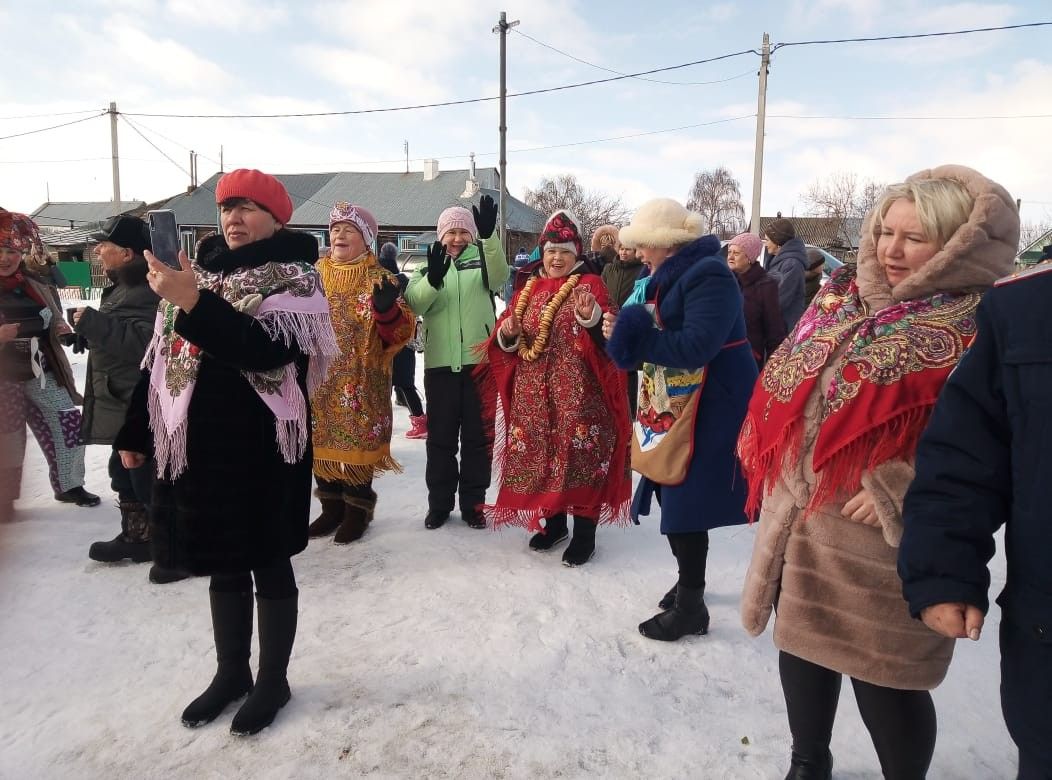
<point x="331" y="514"/>
<point x="357" y="514"/>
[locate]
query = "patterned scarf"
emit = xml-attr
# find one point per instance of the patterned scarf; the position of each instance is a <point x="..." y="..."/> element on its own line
<point x="287" y="300"/>
<point x="880" y="397"/>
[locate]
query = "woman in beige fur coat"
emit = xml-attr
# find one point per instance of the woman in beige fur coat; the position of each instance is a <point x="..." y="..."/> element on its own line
<point x="828" y="446"/>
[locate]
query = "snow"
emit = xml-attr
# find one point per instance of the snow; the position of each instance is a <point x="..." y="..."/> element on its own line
<point x="445" y="653"/>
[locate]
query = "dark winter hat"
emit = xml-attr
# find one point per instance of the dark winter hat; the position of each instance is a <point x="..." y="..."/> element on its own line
<point x="780" y="231"/>
<point x="1046" y="254"/>
<point x="389" y="257"/>
<point x="258" y="187"/>
<point x="124" y="231"/>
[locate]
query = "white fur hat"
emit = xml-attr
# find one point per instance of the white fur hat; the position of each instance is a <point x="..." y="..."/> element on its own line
<point x="661" y="222"/>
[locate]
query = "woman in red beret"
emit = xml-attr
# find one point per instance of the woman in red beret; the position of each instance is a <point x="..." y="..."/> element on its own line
<point x="242" y="338"/>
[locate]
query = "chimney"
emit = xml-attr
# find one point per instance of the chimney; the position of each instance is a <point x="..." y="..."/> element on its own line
<point x="430" y="170"/>
<point x="471" y="186"/>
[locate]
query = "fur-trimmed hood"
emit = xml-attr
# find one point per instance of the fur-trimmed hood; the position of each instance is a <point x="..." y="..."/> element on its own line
<point x="980" y="252"/>
<point x="285" y="246"/>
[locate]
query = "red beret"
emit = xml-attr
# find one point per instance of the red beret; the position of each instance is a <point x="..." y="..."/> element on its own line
<point x="259" y="187"/>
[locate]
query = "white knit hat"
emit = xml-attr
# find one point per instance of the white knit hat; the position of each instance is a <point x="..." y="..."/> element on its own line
<point x="662" y="223"/>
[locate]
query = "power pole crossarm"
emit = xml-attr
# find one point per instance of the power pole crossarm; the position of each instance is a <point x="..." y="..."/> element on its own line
<point x="503" y="25"/>
<point x="761" y="114"/>
<point x="113" y="153"/>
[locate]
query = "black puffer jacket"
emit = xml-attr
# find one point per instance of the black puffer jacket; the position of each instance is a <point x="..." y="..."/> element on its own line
<point x="117" y="334"/>
<point x="238" y="505"/>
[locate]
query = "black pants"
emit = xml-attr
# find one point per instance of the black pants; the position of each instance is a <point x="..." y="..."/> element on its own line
<point x="356" y="491"/>
<point x="900" y="723"/>
<point x="633" y="394"/>
<point x="272" y="582"/>
<point x="410" y="397"/>
<point x="1026" y="687"/>
<point x="692" y="554"/>
<point x="132" y="484"/>
<point x="455" y="413"/>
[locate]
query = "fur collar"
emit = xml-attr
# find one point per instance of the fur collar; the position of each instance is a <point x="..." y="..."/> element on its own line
<point x="669" y="272"/>
<point x="752" y="275"/>
<point x="978" y="254"/>
<point x="285" y="246"/>
<point x="131" y="274"/>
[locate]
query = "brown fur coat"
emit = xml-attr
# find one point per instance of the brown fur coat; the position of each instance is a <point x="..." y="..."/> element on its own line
<point x="833" y="580"/>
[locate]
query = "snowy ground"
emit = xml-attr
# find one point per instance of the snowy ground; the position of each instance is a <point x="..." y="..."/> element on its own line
<point x="446" y="653"/>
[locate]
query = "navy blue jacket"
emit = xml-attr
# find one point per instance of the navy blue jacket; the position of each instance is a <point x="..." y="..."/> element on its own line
<point x="789" y="267"/>
<point x="985" y="461"/>
<point x="700" y="307"/>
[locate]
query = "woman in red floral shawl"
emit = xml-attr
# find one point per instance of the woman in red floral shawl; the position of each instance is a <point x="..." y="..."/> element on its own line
<point x="564" y="403"/>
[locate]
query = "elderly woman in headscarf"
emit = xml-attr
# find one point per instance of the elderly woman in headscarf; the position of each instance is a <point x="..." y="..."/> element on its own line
<point x="564" y="448"/>
<point x="828" y="447"/>
<point x="36" y="381"/>
<point x="241" y="339"/>
<point x="352" y="408"/>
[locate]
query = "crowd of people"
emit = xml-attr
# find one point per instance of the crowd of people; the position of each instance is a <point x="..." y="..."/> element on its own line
<point x="877" y="428"/>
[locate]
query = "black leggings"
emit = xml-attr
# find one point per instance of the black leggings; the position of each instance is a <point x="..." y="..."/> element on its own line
<point x="409" y="395"/>
<point x="900" y="723"/>
<point x="272" y="582"/>
<point x="692" y="553"/>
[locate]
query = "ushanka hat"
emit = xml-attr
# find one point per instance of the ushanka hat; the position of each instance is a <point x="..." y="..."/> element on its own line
<point x="126" y="232"/>
<point x="258" y="187"/>
<point x="604" y="236"/>
<point x="561" y="231"/>
<point x="662" y="223"/>
<point x="364" y="221"/>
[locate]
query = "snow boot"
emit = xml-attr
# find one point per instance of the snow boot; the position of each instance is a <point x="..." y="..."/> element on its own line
<point x="332" y="511"/>
<point x="132" y="543"/>
<point x="435" y="519"/>
<point x="162" y="575"/>
<point x="78" y="496"/>
<point x="357" y="514"/>
<point x="554" y="532"/>
<point x="418" y="427"/>
<point x="668" y="601"/>
<point x="805" y="768"/>
<point x="277" y="632"/>
<point x="582" y="544"/>
<point x="232" y="627"/>
<point x="689" y="615"/>
<point x="473" y="517"/>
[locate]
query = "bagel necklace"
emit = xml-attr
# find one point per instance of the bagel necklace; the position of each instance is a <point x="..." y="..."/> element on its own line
<point x="540" y="343"/>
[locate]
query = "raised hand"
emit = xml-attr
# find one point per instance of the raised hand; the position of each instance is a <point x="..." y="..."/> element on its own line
<point x="177" y="286"/>
<point x="437" y="264"/>
<point x="385" y="294"/>
<point x="485" y="216"/>
<point x="511" y="328"/>
<point x="609" y="320"/>
<point x="584" y="303"/>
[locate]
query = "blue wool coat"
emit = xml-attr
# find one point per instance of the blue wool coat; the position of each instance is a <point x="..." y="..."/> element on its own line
<point x="702" y="324"/>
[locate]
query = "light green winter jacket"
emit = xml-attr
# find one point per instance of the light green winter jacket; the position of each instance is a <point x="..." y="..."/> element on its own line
<point x="459" y="315"/>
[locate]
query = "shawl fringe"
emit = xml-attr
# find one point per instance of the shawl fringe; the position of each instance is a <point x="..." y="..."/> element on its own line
<point x="354" y="473"/>
<point x="314" y="335"/>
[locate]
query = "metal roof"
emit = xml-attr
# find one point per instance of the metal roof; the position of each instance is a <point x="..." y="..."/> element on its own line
<point x="199" y="207"/>
<point x="60" y="214"/>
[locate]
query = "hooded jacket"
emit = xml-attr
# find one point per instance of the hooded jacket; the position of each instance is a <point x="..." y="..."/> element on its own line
<point x="833" y="579"/>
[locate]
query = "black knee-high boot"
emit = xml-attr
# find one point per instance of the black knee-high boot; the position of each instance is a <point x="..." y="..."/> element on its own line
<point x="277" y="632"/>
<point x="232" y="627"/>
<point x="812" y="693"/>
<point x="582" y="543"/>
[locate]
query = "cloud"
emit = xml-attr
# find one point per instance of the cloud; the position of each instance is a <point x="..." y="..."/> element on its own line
<point x="240" y="15"/>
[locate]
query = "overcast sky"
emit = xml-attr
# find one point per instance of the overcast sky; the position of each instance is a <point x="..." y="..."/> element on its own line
<point x="242" y="56"/>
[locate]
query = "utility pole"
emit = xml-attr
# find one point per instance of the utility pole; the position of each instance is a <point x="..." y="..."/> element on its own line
<point x="221" y="158"/>
<point x="405" y="144"/>
<point x="113" y="153"/>
<point x="503" y="25"/>
<point x="761" y="114"/>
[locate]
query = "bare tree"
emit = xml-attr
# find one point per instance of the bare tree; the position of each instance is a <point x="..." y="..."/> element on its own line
<point x="716" y="195"/>
<point x="591" y="208"/>
<point x="1031" y="230"/>
<point x="842" y="197"/>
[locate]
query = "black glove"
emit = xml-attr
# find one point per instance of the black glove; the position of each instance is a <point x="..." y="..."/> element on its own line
<point x="485" y="216"/>
<point x="67" y="339"/>
<point x="80" y="346"/>
<point x="385" y="294"/>
<point x="437" y="264"/>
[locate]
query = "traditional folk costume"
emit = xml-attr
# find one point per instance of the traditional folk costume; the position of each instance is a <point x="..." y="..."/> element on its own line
<point x="352" y="408"/>
<point x="564" y="447"/>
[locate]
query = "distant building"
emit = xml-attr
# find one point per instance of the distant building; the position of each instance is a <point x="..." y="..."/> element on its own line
<point x="839" y="237"/>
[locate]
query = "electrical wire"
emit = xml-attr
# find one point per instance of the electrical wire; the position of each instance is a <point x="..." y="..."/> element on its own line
<point x="59" y="113"/>
<point x="52" y="127"/>
<point x="155" y="146"/>
<point x="907" y="118"/>
<point x="446" y="103"/>
<point x="749" y="72"/>
<point x="777" y="46"/>
<point x="171" y="140"/>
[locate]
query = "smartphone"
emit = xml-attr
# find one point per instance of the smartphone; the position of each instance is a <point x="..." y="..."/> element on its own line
<point x="164" y="236"/>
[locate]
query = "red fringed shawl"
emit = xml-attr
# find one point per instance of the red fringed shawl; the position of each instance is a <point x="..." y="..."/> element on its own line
<point x="881" y="396"/>
<point x="565" y="443"/>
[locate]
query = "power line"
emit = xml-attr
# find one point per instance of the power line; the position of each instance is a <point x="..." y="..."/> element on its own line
<point x="73" y="160"/>
<point x="174" y="142"/>
<point x="777" y="46"/>
<point x="52" y="127"/>
<point x="908" y="118"/>
<point x="151" y="143"/>
<point x="43" y="116"/>
<point x="620" y="73"/>
<point x="446" y="103"/>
